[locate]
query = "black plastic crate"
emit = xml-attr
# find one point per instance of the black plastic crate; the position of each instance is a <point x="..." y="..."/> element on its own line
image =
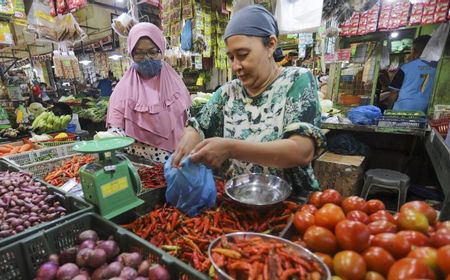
<point x="21" y="259"/>
<point x="73" y="205"/>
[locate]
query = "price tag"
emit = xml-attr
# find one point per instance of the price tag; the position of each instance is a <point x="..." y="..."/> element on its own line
<point x="69" y="185"/>
<point x="114" y="187"/>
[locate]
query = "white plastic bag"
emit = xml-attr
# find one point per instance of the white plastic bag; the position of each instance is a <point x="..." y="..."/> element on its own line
<point x="296" y="16"/>
<point x="435" y="47"/>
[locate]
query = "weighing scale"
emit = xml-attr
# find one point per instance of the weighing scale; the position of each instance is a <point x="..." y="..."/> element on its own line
<point x="111" y="182"/>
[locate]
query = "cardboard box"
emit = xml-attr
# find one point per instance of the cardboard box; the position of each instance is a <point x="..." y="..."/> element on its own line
<point x="340" y="172"/>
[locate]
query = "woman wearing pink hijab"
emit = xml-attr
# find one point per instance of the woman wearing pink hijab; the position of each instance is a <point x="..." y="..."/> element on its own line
<point x="150" y="102"/>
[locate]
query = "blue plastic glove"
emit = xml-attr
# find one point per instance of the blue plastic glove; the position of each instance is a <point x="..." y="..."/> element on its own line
<point x="190" y="188"/>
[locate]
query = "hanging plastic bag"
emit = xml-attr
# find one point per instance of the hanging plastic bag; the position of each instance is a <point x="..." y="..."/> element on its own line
<point x="435" y="47"/>
<point x="364" y="115"/>
<point x="190" y="188"/>
<point x="297" y="16"/>
<point x="186" y="36"/>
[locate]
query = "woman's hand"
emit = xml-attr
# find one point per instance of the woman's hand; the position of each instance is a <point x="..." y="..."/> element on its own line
<point x="212" y="152"/>
<point x="187" y="143"/>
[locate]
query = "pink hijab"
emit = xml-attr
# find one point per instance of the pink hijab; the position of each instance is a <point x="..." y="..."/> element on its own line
<point x="152" y="111"/>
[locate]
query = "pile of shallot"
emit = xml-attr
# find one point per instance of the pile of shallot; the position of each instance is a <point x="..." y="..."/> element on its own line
<point x="99" y="259"/>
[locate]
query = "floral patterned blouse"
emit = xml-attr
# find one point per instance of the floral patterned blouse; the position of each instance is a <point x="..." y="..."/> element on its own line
<point x="289" y="106"/>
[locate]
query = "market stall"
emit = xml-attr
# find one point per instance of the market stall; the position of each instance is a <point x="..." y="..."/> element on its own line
<point x="80" y="200"/>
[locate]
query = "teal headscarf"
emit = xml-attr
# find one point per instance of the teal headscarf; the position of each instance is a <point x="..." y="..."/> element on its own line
<point x="253" y="20"/>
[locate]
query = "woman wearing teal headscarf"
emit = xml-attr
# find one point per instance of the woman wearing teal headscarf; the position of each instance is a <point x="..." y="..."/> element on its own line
<point x="265" y="121"/>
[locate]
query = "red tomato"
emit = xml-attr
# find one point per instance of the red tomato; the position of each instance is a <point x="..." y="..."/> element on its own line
<point x="349" y="265"/>
<point x="421" y="207"/>
<point x="397" y="245"/>
<point x="409" y="268"/>
<point x="382" y="215"/>
<point x="314" y="199"/>
<point x="354" y="203"/>
<point x="330" y="196"/>
<point x="413" y="220"/>
<point x="426" y="254"/>
<point x="303" y="220"/>
<point x="372" y="275"/>
<point x="329" y="215"/>
<point x="374" y="205"/>
<point x="415" y="238"/>
<point x="440" y="225"/>
<point x="352" y="235"/>
<point x="443" y="258"/>
<point x="357" y="215"/>
<point x="320" y="239"/>
<point x="327" y="259"/>
<point x="440" y="238"/>
<point x="309" y="208"/>
<point x="382" y="226"/>
<point x="395" y="216"/>
<point x="378" y="259"/>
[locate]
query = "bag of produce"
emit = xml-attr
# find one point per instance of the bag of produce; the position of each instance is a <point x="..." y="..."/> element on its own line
<point x="190" y="188"/>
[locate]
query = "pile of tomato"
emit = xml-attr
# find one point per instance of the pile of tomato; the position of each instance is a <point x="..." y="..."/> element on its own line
<point x="360" y="239"/>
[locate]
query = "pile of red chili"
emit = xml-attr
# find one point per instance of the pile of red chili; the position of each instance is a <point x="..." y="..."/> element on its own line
<point x="188" y="238"/>
<point x="152" y="177"/>
<point x="68" y="169"/>
<point x="253" y="257"/>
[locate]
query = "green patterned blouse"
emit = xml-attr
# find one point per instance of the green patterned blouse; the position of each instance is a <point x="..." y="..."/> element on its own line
<point x="289" y="106"/>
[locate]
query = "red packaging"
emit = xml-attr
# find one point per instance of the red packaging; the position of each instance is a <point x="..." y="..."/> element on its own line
<point x="404" y="13"/>
<point x="362" y="27"/>
<point x="372" y="19"/>
<point x="428" y="12"/>
<point x="345" y="28"/>
<point x="416" y="14"/>
<point x="440" y="14"/>
<point x="385" y="14"/>
<point x="354" y="21"/>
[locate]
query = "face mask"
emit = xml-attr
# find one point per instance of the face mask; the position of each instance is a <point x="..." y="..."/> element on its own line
<point x="148" y="68"/>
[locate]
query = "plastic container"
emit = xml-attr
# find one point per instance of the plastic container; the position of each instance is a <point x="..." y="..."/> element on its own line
<point x="397" y="122"/>
<point x="350" y="100"/>
<point x="32" y="157"/>
<point x="73" y="205"/>
<point x="441" y="125"/>
<point x="20" y="260"/>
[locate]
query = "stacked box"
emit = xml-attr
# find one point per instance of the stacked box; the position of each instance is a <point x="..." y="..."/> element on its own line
<point x="428" y="12"/>
<point x="416" y="14"/>
<point x="372" y="19"/>
<point x="385" y="15"/>
<point x="440" y="14"/>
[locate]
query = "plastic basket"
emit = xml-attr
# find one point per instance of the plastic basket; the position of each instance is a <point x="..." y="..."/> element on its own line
<point x="401" y="122"/>
<point x="21" y="260"/>
<point x="25" y="159"/>
<point x="441" y="111"/>
<point x="54" y="142"/>
<point x="41" y="169"/>
<point x="441" y="125"/>
<point x="73" y="205"/>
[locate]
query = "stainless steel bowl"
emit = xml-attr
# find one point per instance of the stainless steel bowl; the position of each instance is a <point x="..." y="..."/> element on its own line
<point x="290" y="246"/>
<point x="258" y="190"/>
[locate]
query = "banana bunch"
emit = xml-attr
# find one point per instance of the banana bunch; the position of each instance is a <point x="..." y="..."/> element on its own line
<point x="47" y="121"/>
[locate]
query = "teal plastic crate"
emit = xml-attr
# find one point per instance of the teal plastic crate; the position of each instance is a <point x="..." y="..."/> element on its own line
<point x="20" y="260"/>
<point x="74" y="206"/>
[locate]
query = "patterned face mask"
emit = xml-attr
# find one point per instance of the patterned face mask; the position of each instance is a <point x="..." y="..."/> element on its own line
<point x="148" y="68"/>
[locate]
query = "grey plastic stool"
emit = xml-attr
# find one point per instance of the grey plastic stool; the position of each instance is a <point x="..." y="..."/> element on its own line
<point x="387" y="179"/>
